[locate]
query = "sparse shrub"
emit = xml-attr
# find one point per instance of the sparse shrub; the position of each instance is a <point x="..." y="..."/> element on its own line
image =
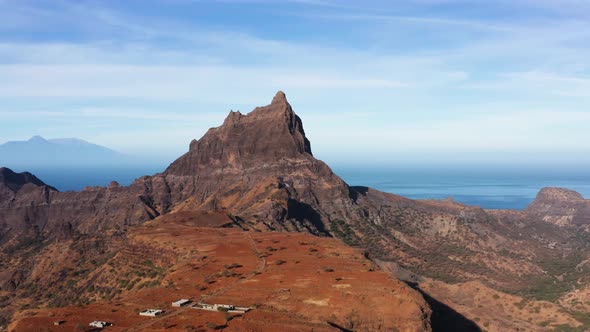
<point x="233" y="266"/>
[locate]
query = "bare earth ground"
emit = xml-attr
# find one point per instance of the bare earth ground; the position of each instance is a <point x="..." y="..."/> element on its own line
<point x="294" y="282"/>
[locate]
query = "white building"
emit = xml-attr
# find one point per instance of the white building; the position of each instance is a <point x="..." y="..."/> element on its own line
<point x="222" y="307"/>
<point x="151" y="312"/>
<point x="181" y="303"/>
<point x="99" y="324"/>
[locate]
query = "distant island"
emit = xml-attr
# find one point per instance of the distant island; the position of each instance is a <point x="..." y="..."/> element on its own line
<point x="58" y="152"/>
<point x="73" y="163"/>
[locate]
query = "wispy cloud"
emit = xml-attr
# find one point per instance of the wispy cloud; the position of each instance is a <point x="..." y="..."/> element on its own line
<point x="428" y="68"/>
<point x="420" y="20"/>
<point x="539" y="82"/>
<point x="168" y="82"/>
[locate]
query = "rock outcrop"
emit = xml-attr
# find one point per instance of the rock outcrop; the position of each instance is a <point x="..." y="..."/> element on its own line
<point x="14" y="182"/>
<point x="559" y="206"/>
<point x="269" y="137"/>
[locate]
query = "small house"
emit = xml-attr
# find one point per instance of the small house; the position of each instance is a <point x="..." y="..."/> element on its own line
<point x="151" y="312"/>
<point x="206" y="306"/>
<point x="181" y="303"/>
<point x="99" y="324"/>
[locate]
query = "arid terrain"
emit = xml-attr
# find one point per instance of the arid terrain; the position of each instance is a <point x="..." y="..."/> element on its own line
<point x="249" y="217"/>
<point x="293" y="282"/>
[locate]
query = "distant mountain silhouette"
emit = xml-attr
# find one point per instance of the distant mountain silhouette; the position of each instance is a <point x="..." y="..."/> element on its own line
<point x="61" y="152"/>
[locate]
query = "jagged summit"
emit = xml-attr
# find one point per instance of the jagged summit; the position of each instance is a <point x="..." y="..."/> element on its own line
<point x="280" y="97"/>
<point x="266" y="135"/>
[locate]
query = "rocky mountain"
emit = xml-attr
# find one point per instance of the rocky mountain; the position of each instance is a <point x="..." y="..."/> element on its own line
<point x="258" y="172"/>
<point x="38" y="152"/>
<point x="270" y="137"/>
<point x="561" y="207"/>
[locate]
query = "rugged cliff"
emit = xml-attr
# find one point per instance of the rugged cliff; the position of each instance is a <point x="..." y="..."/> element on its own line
<point x="561" y="207"/>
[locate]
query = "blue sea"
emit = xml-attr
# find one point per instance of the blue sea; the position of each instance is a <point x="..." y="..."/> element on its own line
<point x="503" y="188"/>
<point x="488" y="188"/>
<point x="66" y="179"/>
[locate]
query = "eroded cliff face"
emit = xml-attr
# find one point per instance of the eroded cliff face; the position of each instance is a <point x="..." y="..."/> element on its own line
<point x="559" y="206"/>
<point x="269" y="138"/>
<point x="260" y="168"/>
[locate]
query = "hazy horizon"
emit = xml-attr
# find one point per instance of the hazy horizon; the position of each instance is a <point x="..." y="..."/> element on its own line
<point x="357" y="158"/>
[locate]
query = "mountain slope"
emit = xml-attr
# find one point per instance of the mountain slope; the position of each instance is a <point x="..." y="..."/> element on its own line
<point x="294" y="282"/>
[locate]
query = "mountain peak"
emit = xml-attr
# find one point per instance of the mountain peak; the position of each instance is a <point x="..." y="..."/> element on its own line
<point x="264" y="136"/>
<point x="280" y="97"/>
<point x="558" y="195"/>
<point x="37" y="139"/>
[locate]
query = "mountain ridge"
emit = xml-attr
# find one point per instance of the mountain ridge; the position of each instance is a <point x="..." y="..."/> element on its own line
<point x="16" y="181"/>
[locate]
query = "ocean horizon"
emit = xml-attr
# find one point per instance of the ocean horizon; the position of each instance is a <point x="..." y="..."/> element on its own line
<point x="487" y="188"/>
<point x="503" y="188"/>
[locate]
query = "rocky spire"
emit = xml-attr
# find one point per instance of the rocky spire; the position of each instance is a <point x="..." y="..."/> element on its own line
<point x="279" y="98"/>
<point x="266" y="135"/>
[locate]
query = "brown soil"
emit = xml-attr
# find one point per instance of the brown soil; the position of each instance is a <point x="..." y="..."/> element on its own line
<point x="295" y="282"/>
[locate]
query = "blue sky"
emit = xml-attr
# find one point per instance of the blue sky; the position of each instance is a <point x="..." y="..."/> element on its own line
<point x="418" y="81"/>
